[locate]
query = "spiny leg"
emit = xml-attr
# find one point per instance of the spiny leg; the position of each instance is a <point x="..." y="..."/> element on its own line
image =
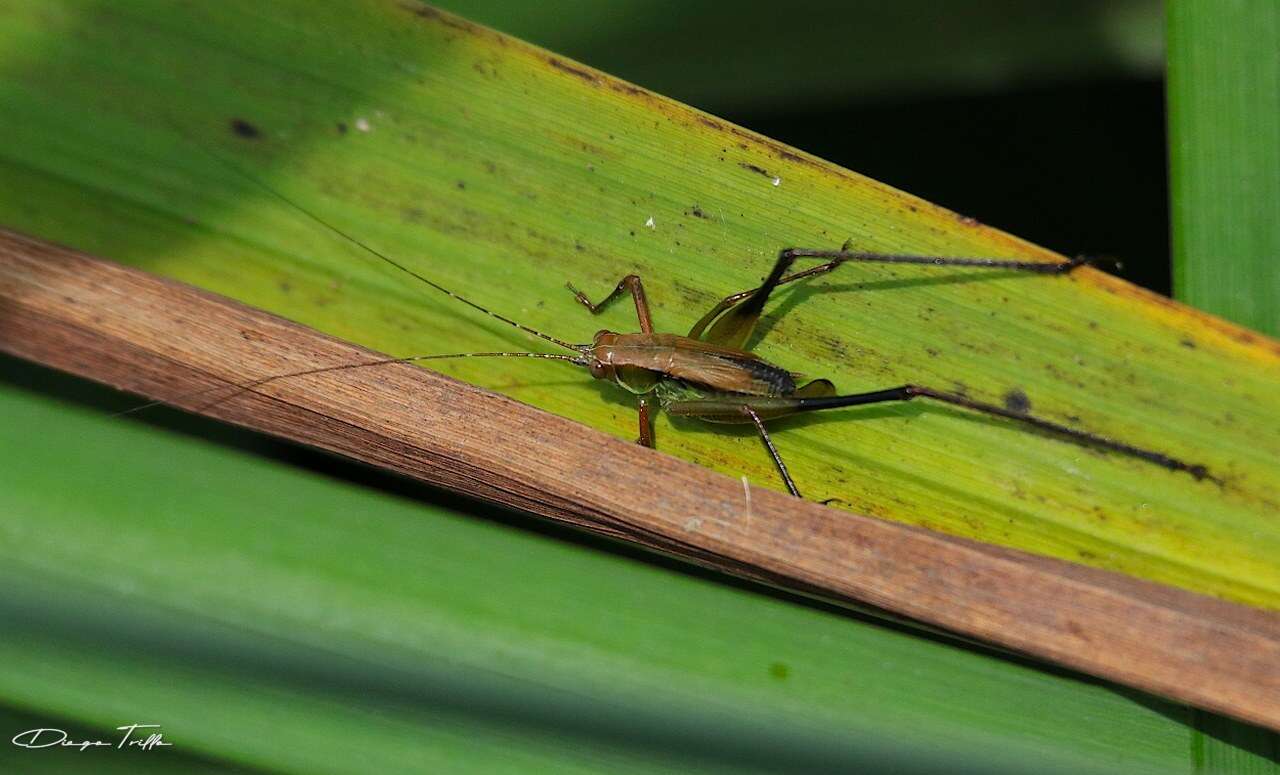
<point x="773" y="451"/>
<point x="734" y="328"/>
<point x="646" y="422"/>
<point x="730" y="409"/>
<point x="844" y="255"/>
<point x="1084" y="438"/>
<point x="630" y="283"/>
<point x="733" y="298"/>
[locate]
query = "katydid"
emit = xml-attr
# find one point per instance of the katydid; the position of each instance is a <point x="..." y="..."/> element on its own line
<point x="709" y="375"/>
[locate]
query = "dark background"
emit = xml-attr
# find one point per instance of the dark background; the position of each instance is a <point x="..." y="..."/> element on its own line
<point x="1077" y="167"/>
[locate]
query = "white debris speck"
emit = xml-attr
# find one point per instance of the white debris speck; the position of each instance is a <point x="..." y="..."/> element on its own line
<point x="650" y="223"/>
<point x="693" y="523"/>
<point x="777" y="181"/>
<point x="746" y="492"/>
<point x="362" y="124"/>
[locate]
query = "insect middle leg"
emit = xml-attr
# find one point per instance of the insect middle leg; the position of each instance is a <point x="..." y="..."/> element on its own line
<point x="749" y="409"/>
<point x="773" y="451"/>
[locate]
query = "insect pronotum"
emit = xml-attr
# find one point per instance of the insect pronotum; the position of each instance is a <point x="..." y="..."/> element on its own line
<point x="708" y="374"/>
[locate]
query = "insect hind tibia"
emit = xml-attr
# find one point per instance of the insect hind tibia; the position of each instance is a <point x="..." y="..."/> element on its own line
<point x="836" y="257"/>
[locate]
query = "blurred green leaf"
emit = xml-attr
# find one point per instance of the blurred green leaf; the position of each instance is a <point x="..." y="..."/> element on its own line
<point x="1224" y="139"/>
<point x="1224" y="145"/>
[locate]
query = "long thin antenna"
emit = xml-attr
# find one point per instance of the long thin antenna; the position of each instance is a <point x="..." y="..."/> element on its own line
<point x="243" y="386"/>
<point x="383" y="256"/>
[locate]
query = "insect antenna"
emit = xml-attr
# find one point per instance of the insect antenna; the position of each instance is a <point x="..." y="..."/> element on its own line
<point x="236" y="389"/>
<point x="384" y="257"/>
<point x="431" y="283"/>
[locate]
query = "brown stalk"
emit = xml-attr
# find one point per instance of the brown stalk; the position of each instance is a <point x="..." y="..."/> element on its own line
<point x="117" y="325"/>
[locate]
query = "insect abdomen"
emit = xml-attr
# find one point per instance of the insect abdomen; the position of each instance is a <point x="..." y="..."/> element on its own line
<point x="778" y="381"/>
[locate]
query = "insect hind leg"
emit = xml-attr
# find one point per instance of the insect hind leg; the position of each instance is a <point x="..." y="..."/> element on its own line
<point x="734" y="299"/>
<point x="732" y="320"/>
<point x="734" y="317"/>
<point x="1074" y="435"/>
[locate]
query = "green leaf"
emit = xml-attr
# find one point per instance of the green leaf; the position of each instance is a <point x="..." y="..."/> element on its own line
<point x="503" y="172"/>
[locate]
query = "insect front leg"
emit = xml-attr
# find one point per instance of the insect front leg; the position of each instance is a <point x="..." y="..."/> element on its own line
<point x="630" y="283"/>
<point x="645" y="407"/>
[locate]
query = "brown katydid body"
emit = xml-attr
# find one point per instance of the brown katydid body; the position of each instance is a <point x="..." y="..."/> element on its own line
<point x="637" y="361"/>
